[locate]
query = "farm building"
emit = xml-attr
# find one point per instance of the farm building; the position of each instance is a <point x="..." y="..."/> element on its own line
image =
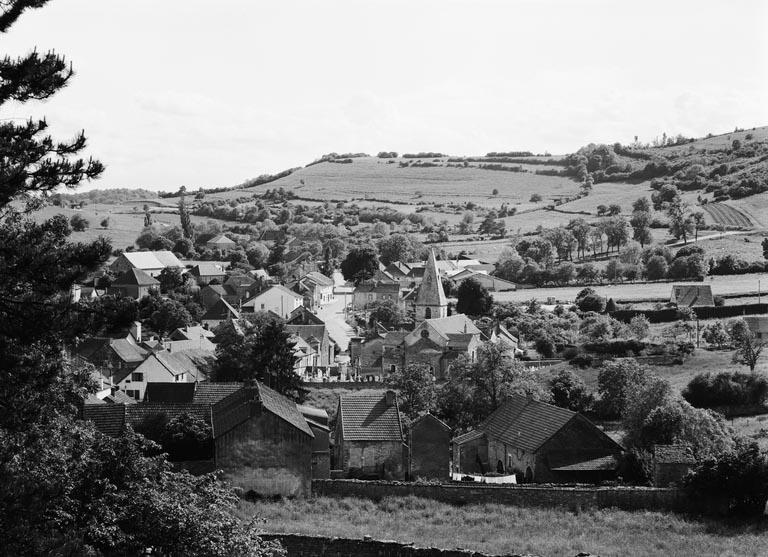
<point x="321" y="449"/>
<point x="429" y="441"/>
<point x="369" y="437"/>
<point x="221" y="243"/>
<point x="205" y="271"/>
<point x="151" y="262"/>
<point x="489" y="282"/>
<point x="671" y="463"/>
<point x="540" y="443"/>
<point x="374" y="292"/>
<point x="758" y="324"/>
<point x="692" y="295"/>
<point x="133" y="283"/>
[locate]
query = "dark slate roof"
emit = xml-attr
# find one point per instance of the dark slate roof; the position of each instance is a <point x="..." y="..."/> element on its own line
<point x="431" y="289"/>
<point x="135" y="277"/>
<point x="693" y="295"/>
<point x="673" y="454"/>
<point x="526" y="423"/>
<point x="169" y="392"/>
<point x="581" y="461"/>
<point x="107" y="418"/>
<point x="368" y="418"/>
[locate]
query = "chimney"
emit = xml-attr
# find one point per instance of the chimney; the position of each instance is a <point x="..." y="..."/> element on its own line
<point x="390" y="398"/>
<point x="136" y="331"/>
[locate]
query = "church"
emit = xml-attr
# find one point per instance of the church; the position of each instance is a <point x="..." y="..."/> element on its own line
<point x="437" y="340"/>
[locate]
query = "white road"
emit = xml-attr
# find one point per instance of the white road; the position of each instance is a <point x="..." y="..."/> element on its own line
<point x="333" y="315"/>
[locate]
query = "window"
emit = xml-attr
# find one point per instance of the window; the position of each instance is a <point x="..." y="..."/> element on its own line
<point x="137" y="377"/>
<point x="262" y="306"/>
<point x="133" y="394"/>
<point x="392" y="368"/>
<point x="424" y="333"/>
<point x="428" y="313"/>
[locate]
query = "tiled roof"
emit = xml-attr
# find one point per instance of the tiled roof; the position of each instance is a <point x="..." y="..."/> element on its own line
<point x="119" y="397"/>
<point x="430" y="418"/>
<point x="193" y="332"/>
<point x="312" y="413"/>
<point x="220" y="240"/>
<point x="134" y="277"/>
<point x="283" y="407"/>
<point x="581" y="461"/>
<point x="308" y="331"/>
<point x="693" y="295"/>
<point x="167" y="259"/>
<point x="526" y="423"/>
<point x="221" y="311"/>
<point x="469" y="436"/>
<point x="319" y="278"/>
<point x="169" y="392"/>
<point x="137" y="413"/>
<point x="302" y="316"/>
<point x="127" y="351"/>
<point x="368" y="418"/>
<point x="152" y="259"/>
<point x="757" y="323"/>
<point x="673" y="454"/>
<point x="208" y="269"/>
<point x="453" y="324"/>
<point x="107" y="418"/>
<point x="379" y="288"/>
<point x="238" y="280"/>
<point x="211" y="393"/>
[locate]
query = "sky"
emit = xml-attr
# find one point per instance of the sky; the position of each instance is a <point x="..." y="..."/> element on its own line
<point x="200" y="93"/>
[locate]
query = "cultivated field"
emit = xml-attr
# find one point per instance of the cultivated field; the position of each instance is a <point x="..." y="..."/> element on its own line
<point x="500" y="529"/>
<point x="734" y="284"/>
<point x="756" y="206"/>
<point x="722" y="213"/>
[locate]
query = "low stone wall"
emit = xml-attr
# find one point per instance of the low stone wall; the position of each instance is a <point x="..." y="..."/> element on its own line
<point x="568" y="497"/>
<point x="298" y="545"/>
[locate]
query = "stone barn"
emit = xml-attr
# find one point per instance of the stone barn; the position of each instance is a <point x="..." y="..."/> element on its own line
<point x="369" y="441"/>
<point x="263" y="443"/>
<point x="540" y="443"/>
<point x="671" y="463"/>
<point x="429" y="440"/>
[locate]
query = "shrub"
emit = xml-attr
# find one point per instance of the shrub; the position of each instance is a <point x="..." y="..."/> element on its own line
<point x="569" y="391"/>
<point x="589" y="300"/>
<point x="78" y="223"/>
<point x="536" y="197"/>
<point x="739" y="478"/>
<point x="726" y="389"/>
<point x="582" y="361"/>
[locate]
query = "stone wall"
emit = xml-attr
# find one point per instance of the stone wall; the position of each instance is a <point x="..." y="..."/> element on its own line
<point x="569" y="497"/>
<point x="298" y="545"/>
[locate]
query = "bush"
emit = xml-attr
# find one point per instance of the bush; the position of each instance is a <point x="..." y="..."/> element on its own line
<point x="738" y="478"/>
<point x="582" y="361"/>
<point x="78" y="223"/>
<point x="589" y="300"/>
<point x="726" y="389"/>
<point x="569" y="391"/>
<point x="536" y="197"/>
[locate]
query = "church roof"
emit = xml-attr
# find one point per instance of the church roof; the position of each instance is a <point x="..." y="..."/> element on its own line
<point x="431" y="290"/>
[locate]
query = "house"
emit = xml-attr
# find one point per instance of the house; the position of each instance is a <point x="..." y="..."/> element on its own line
<point x="277" y="299"/>
<point x="220" y="312"/>
<point x="321" y="448"/>
<point x="496" y="332"/>
<point x="206" y="271"/>
<point x="242" y="286"/>
<point x="221" y="243"/>
<point x="538" y="442"/>
<point x="399" y="272"/>
<point x="429" y="441"/>
<point x="316" y="288"/>
<point x="322" y="348"/>
<point x="212" y="293"/>
<point x="758" y="324"/>
<point x="302" y="316"/>
<point x="161" y="367"/>
<point x="190" y="338"/>
<point x="113" y="355"/>
<point x="133" y="283"/>
<point x="671" y="463"/>
<point x="84" y="293"/>
<point x="489" y="282"/>
<point x="151" y="262"/>
<point x="370" y="293"/>
<point x="692" y="295"/>
<point x="263" y="443"/>
<point x="369" y="441"/>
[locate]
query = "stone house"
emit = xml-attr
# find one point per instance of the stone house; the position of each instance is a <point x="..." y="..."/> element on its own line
<point x="263" y="443"/>
<point x="220" y="312"/>
<point x="540" y="443"/>
<point x="369" y="441"/>
<point x="321" y="447"/>
<point x="370" y="293"/>
<point x="316" y="336"/>
<point x="133" y="283"/>
<point x="692" y="295"/>
<point x="671" y="463"/>
<point x="206" y="271"/>
<point x="429" y="441"/>
<point x="161" y="367"/>
<point x="315" y="288"/>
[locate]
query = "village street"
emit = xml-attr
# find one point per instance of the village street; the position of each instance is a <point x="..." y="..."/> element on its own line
<point x="333" y="315"/>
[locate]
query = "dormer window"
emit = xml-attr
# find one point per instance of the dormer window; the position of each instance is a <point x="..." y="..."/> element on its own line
<point x="424" y="333"/>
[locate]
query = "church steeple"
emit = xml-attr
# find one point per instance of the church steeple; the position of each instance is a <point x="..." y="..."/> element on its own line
<point x="430" y="301"/>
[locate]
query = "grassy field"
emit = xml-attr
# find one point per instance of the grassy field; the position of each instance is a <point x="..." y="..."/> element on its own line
<point x="370" y="177"/>
<point x="500" y="529"/>
<point x="756" y="206"/>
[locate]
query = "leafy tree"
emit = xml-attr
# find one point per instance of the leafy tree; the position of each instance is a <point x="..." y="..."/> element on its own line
<point x="614" y="209"/>
<point x="617" y="381"/>
<point x="473" y="298"/>
<point x="656" y="268"/>
<point x="360" y="265"/>
<point x="651" y="393"/>
<point x="265" y="352"/>
<point x="588" y="300"/>
<point x="738" y="476"/>
<point x="387" y="313"/>
<point x="104" y="222"/>
<point x="641" y="227"/>
<point x="187" y="437"/>
<point x="641" y="205"/>
<point x="78" y="223"/>
<point x="169" y="315"/>
<point x="416" y="386"/>
<point x="681" y="224"/>
<point x="170" y="279"/>
<point x="396" y="247"/>
<point x="748" y="347"/>
<point x="639" y="326"/>
<point x="716" y="334"/>
<point x="187" y="229"/>
<point x="569" y="391"/>
<point x="108" y="314"/>
<point x="764" y="245"/>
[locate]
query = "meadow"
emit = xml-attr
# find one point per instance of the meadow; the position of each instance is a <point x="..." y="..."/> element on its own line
<point x="498" y="529"/>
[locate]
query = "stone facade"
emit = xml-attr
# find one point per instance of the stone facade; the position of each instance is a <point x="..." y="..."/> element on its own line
<point x="429" y="440"/>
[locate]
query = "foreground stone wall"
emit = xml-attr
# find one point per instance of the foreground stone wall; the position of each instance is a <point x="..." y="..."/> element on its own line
<point x="298" y="545"/>
<point x="625" y="498"/>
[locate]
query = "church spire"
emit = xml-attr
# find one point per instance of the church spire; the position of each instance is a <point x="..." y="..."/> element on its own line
<point x="430" y="301"/>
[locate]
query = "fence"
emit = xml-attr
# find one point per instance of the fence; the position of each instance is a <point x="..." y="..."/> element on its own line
<point x="570" y="497"/>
